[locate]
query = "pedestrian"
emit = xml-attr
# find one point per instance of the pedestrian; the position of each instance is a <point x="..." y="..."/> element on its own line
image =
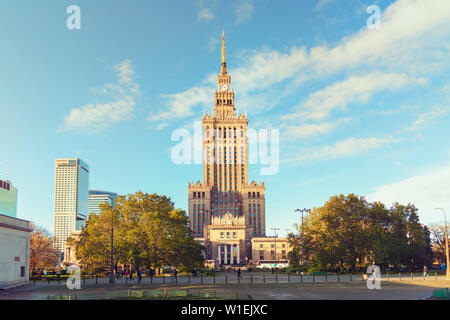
<point x="425" y="271"/>
<point x="139" y="274"/>
<point x="175" y="273"/>
<point x="131" y="275"/>
<point x="239" y="273"/>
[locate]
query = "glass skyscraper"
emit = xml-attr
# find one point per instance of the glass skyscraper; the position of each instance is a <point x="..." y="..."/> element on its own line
<point x="98" y="197"/>
<point x="71" y="199"/>
<point x="8" y="199"/>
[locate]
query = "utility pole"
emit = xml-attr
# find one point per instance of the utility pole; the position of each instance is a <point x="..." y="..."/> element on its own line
<point x="276" y="235"/>
<point x="111" y="276"/>
<point x="302" y="211"/>
<point x="446" y="244"/>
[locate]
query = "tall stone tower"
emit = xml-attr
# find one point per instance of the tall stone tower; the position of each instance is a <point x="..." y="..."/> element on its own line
<point x="225" y="188"/>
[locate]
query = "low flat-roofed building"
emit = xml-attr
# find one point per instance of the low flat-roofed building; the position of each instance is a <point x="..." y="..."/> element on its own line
<point x="270" y="248"/>
<point x="14" y="250"/>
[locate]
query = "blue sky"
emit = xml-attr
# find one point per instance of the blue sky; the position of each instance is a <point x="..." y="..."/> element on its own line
<point x="358" y="110"/>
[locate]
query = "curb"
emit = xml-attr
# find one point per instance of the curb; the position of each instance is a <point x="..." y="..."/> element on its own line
<point x="13" y="286"/>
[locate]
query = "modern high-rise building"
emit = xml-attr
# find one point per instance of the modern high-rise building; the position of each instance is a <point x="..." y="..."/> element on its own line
<point x="8" y="199"/>
<point x="71" y="199"/>
<point x="226" y="211"/>
<point x="98" y="197"/>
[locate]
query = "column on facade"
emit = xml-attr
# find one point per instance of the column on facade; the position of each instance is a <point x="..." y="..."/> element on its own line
<point x="232" y="254"/>
<point x="225" y="255"/>
<point x="238" y="255"/>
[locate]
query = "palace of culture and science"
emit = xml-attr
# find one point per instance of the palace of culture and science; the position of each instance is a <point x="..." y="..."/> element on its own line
<point x="227" y="213"/>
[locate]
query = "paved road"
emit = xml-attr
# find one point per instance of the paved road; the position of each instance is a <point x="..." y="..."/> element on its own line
<point x="260" y="292"/>
<point x="226" y="278"/>
<point x="343" y="293"/>
<point x="390" y="290"/>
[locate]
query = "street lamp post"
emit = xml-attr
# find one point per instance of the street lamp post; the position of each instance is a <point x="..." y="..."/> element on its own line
<point x="446" y="244"/>
<point x="302" y="211"/>
<point x="276" y="235"/>
<point x="111" y="276"/>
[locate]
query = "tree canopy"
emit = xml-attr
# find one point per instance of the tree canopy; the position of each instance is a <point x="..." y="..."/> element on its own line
<point x="348" y="232"/>
<point x="148" y="232"/>
<point x="42" y="253"/>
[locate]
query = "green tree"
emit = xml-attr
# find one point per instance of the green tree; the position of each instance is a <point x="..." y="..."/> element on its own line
<point x="334" y="233"/>
<point x="348" y="232"/>
<point x="148" y="231"/>
<point x="437" y="235"/>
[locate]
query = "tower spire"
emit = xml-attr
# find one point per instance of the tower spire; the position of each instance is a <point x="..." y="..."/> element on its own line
<point x="223" y="70"/>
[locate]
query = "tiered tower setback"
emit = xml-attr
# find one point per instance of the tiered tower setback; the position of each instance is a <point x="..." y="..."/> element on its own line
<point x="226" y="188"/>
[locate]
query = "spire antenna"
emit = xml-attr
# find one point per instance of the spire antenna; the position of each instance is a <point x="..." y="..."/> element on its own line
<point x="224" y="63"/>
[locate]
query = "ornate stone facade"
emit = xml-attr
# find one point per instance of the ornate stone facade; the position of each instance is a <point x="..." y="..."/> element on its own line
<point x="225" y="202"/>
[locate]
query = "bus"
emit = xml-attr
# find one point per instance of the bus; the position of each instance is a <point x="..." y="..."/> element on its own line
<point x="212" y="264"/>
<point x="277" y="264"/>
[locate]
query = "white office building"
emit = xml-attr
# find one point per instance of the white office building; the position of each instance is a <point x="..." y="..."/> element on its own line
<point x="71" y="199"/>
<point x="98" y="197"/>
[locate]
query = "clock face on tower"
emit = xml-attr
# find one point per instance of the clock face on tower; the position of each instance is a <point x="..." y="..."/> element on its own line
<point x="224" y="87"/>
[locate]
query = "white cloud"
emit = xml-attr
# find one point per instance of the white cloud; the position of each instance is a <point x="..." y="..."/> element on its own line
<point x="205" y="15"/>
<point x="212" y="44"/>
<point x="126" y="72"/>
<point x="304" y="130"/>
<point x="412" y="44"/>
<point x="264" y="68"/>
<point x="354" y="89"/>
<point x="408" y="27"/>
<point x="426" y="191"/>
<point x="341" y="149"/>
<point x="244" y="12"/>
<point x="180" y="105"/>
<point x="96" y="117"/>
<point x="413" y="38"/>
<point x="323" y="3"/>
<point x="427" y="118"/>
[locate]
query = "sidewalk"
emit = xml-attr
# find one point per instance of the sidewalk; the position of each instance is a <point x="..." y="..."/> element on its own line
<point x="13" y="286"/>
